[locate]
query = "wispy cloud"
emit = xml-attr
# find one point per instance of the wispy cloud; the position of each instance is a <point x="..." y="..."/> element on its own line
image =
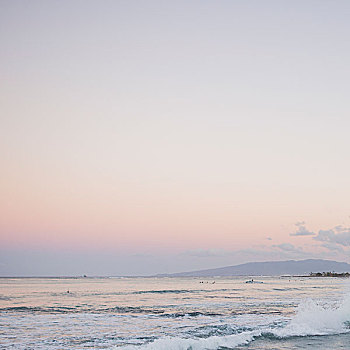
<point x="333" y="243"/>
<point x="287" y="247"/>
<point x="334" y="247"/>
<point x="206" y="253"/>
<point x="339" y="235"/>
<point x="273" y="252"/>
<point x="302" y="230"/>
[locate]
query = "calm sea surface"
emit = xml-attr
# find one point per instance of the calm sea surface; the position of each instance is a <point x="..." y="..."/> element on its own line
<point x="174" y="313"/>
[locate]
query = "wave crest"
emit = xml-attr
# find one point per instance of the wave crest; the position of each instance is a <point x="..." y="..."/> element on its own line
<point x="311" y="319"/>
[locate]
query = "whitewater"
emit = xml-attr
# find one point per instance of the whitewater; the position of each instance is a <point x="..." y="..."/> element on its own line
<point x="175" y="313"/>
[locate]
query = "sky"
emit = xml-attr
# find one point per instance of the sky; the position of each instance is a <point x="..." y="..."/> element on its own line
<point x="145" y="137"/>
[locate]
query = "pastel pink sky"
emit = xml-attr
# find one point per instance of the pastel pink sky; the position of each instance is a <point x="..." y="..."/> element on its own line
<point x="163" y="129"/>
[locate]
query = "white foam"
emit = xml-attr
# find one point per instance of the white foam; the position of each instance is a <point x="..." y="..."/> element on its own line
<point x="312" y="318"/>
<point x="315" y="318"/>
<point x="210" y="343"/>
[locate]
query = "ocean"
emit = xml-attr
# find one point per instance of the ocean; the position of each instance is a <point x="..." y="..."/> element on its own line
<point x="174" y="313"/>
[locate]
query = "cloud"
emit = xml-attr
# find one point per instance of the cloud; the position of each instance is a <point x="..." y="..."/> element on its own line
<point x="287" y="247"/>
<point x="333" y="247"/>
<point x="258" y="253"/>
<point x="302" y="230"/>
<point x="205" y="253"/>
<point x="339" y="235"/>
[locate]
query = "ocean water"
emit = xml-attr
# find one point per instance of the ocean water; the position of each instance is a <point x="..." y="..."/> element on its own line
<point x="174" y="313"/>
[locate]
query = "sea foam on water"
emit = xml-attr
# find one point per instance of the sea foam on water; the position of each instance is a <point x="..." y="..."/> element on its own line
<point x="213" y="342"/>
<point x="317" y="318"/>
<point x="312" y="318"/>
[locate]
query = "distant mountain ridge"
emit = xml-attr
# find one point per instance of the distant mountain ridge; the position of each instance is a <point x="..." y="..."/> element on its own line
<point x="269" y="268"/>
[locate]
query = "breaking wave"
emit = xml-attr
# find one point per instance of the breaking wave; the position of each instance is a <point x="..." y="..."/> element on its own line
<point x="312" y="318"/>
<point x="213" y="342"/>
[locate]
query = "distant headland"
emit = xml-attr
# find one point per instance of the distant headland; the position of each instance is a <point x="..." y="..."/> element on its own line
<point x="274" y="268"/>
